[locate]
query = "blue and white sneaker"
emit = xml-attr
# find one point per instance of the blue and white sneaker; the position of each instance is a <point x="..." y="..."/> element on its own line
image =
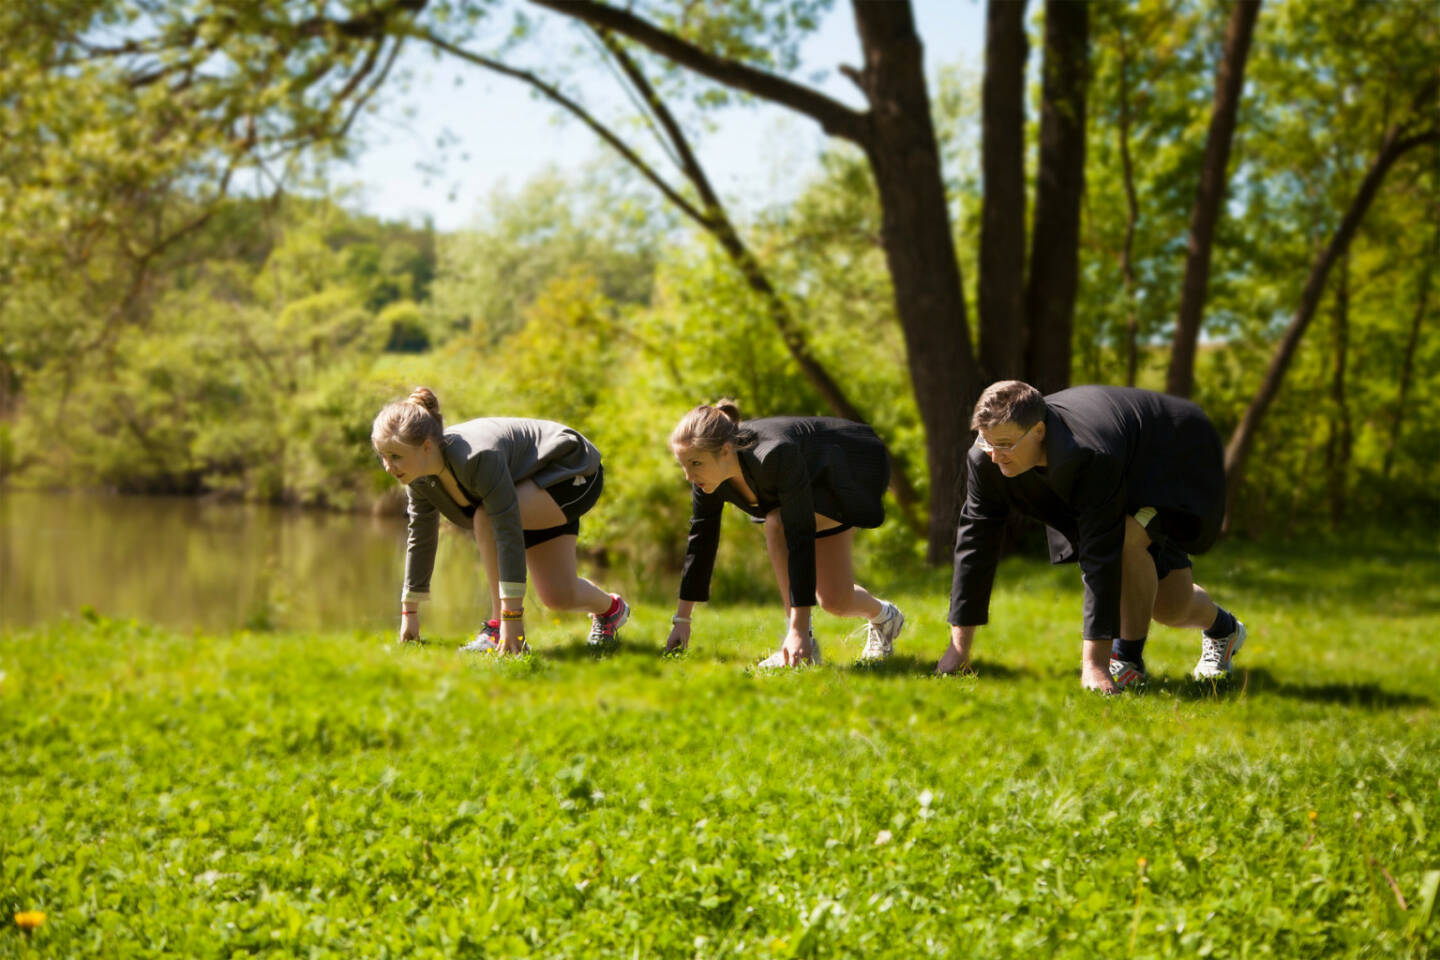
<point x="1126" y="673"/>
<point x="1215" y="654"/>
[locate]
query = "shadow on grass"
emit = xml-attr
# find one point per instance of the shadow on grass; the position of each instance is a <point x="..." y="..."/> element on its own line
<point x="579" y="650"/>
<point x="1259" y="682"/>
<point x="905" y="665"/>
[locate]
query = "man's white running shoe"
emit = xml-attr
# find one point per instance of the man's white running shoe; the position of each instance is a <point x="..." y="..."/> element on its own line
<point x="881" y="632"/>
<point x="777" y="659"/>
<point x="1215" y="654"/>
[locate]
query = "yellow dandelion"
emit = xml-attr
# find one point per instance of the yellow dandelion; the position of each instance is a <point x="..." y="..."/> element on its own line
<point x="1312" y="815"/>
<point x="1142" y="863"/>
<point x="29" y="919"/>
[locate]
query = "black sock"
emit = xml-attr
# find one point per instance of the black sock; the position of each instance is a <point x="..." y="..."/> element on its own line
<point x="1132" y="650"/>
<point x="1223" y="626"/>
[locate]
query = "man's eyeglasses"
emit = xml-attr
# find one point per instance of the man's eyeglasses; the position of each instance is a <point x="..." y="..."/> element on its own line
<point x="988" y="447"/>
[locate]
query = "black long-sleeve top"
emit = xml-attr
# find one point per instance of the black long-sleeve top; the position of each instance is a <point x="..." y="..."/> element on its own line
<point x="1109" y="452"/>
<point x="801" y="466"/>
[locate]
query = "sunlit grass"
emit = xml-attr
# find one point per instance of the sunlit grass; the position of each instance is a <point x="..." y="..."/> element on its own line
<point x="337" y="795"/>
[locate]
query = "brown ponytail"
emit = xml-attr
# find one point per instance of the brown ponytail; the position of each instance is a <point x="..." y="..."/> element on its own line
<point x="709" y="427"/>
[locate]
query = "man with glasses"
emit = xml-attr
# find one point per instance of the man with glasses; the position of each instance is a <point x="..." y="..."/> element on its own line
<point x="1129" y="483"/>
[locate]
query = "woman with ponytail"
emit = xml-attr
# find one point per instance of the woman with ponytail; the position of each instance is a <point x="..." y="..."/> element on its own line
<point x="811" y="481"/>
<point x="521" y="486"/>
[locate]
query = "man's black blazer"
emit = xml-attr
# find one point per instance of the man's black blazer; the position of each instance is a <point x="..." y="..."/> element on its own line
<point x="1109" y="451"/>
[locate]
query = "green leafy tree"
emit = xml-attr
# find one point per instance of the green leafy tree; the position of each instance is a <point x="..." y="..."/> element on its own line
<point x="493" y="272"/>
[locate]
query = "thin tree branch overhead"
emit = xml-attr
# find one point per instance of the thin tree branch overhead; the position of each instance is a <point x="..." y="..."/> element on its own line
<point x="834" y="117"/>
<point x="602" y="131"/>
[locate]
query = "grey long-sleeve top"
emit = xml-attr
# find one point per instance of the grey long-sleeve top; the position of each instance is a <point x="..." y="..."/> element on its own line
<point x="489" y="456"/>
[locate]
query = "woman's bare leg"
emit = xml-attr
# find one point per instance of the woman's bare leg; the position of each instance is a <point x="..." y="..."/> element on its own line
<point x="551" y="565"/>
<point x="552" y="573"/>
<point x="835" y="586"/>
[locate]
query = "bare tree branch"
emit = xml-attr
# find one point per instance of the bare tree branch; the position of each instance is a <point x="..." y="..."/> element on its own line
<point x="374" y="88"/>
<point x="603" y="132"/>
<point x="1242" y="440"/>
<point x="834" y="117"/>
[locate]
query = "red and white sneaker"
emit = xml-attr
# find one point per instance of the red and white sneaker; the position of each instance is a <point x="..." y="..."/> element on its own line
<point x="1215" y="654"/>
<point x="605" y="628"/>
<point x="1126" y="673"/>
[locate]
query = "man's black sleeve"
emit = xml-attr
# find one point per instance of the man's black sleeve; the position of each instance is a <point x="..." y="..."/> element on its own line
<point x="701" y="546"/>
<point x="977" y="544"/>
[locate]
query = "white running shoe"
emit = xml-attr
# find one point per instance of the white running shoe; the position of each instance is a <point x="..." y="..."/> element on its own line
<point x="777" y="659"/>
<point x="881" y="632"/>
<point x="1215" y="654"/>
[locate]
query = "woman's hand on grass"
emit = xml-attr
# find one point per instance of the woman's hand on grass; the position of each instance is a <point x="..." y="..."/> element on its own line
<point x="679" y="639"/>
<point x="796" y="648"/>
<point x="409" y="626"/>
<point x="512" y="636"/>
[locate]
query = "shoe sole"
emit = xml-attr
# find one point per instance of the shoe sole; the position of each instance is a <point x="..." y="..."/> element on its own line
<point x="1239" y="636"/>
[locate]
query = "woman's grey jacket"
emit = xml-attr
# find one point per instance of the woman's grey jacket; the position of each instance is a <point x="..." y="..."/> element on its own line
<point x="489" y="456"/>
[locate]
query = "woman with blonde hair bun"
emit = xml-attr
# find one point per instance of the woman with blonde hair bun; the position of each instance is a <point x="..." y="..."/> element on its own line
<point x="810" y="481"/>
<point x="521" y="487"/>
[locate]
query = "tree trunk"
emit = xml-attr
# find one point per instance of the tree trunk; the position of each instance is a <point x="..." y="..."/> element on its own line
<point x="1132" y="218"/>
<point x="915" y="231"/>
<point x="1338" y="442"/>
<point x="1002" y="221"/>
<point x="1060" y="187"/>
<point x="1229" y="82"/>
<point x="1242" y="441"/>
<point x="1407" y="360"/>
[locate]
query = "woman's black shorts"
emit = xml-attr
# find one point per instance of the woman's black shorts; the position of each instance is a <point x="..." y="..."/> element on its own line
<point x="574" y="497"/>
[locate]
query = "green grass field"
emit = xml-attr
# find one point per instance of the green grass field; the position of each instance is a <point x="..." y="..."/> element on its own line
<point x="339" y="796"/>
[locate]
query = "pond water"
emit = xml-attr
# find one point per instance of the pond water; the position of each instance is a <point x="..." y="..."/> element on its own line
<point x="189" y="563"/>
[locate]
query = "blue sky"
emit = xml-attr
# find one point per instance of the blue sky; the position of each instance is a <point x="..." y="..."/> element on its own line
<point x="440" y="148"/>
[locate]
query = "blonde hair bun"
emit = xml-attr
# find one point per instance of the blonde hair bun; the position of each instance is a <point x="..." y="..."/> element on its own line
<point x="426" y="398"/>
